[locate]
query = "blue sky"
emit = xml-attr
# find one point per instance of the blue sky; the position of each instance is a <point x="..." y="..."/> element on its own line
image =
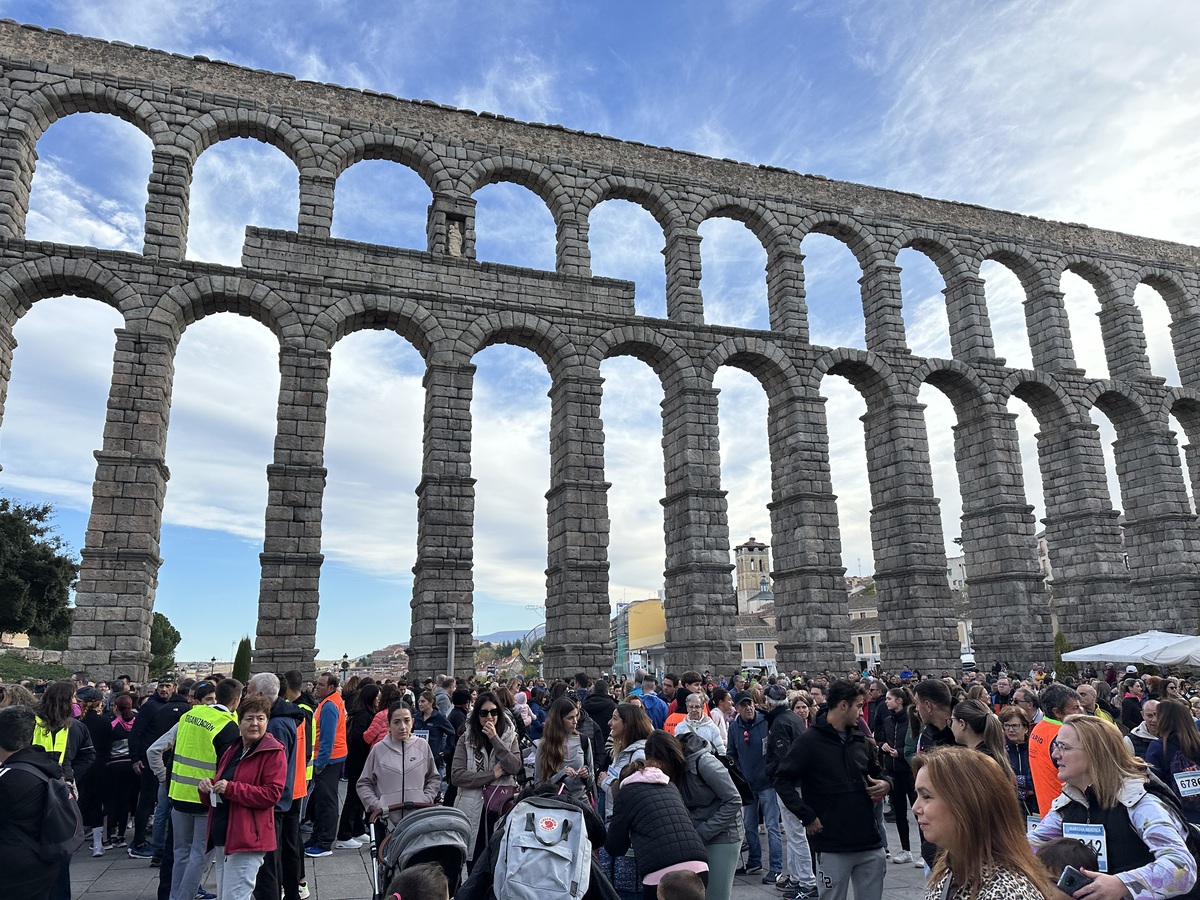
<point x="1074" y="111"/>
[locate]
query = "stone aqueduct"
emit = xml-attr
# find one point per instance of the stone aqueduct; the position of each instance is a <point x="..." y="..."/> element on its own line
<point x="311" y="290"/>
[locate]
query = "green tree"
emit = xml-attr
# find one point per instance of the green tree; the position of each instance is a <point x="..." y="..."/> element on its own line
<point x="241" y="662"/>
<point x="1061" y="646"/>
<point x="37" y="573"/>
<point x="163" y="641"/>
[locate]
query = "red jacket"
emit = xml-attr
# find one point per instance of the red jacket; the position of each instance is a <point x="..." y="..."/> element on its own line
<point x="256" y="787"/>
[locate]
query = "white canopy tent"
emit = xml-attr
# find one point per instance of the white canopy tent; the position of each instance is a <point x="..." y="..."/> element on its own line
<point x="1181" y="653"/>
<point x="1136" y="648"/>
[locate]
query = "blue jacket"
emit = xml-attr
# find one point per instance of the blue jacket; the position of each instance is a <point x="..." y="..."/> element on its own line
<point x="285" y="719"/>
<point x="747" y="746"/>
<point x="331" y="720"/>
<point x="656" y="709"/>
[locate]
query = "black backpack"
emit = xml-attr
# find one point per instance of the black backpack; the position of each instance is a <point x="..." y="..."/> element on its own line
<point x="62" y="823"/>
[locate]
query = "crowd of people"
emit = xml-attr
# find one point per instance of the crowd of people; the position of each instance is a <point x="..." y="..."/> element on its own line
<point x="1013" y="779"/>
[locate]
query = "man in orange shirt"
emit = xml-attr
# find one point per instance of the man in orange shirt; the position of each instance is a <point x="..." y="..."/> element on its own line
<point x="1057" y="701"/>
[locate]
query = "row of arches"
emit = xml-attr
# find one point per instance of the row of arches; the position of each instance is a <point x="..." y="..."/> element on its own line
<point x="779" y="230"/>
<point x="783" y="381"/>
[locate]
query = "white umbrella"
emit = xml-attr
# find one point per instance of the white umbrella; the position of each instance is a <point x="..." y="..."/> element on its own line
<point x="1132" y="649"/>
<point x="1182" y="653"/>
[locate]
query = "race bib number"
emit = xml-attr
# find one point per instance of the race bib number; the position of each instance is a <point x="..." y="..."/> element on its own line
<point x="1031" y="822"/>
<point x="1093" y="837"/>
<point x="423" y="735"/>
<point x="1188" y="783"/>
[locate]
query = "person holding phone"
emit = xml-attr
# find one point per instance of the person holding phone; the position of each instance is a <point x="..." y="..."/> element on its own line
<point x="1134" y="825"/>
<point x="563" y="755"/>
<point x="486" y="754"/>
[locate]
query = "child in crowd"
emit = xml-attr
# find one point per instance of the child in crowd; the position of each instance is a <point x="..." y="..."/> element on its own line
<point x="1059" y="854"/>
<point x="426" y="881"/>
<point x="681" y="886"/>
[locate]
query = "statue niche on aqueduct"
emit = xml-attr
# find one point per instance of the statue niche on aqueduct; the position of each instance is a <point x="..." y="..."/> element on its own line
<point x="311" y="290"/>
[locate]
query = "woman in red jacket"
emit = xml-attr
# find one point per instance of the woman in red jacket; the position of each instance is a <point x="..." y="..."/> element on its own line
<point x="249" y="783"/>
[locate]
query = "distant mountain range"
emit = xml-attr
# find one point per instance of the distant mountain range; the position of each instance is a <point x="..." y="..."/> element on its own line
<point x="501" y="637"/>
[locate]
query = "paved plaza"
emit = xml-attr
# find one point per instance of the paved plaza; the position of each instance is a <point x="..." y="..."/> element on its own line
<point x="346" y="876"/>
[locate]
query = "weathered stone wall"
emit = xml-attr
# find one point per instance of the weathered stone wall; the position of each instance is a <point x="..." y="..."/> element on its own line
<point x="311" y="291"/>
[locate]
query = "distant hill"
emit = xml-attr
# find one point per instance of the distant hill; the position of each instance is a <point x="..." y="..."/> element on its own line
<point x="501" y="637"/>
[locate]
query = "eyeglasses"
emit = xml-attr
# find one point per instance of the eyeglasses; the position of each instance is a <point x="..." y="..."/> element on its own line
<point x="1060" y="747"/>
<point x="489" y="712"/>
<point x="1013" y="725"/>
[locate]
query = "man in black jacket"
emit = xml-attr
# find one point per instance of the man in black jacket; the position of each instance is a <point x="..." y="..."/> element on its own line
<point x="22" y="804"/>
<point x="148" y="727"/>
<point x="839" y="780"/>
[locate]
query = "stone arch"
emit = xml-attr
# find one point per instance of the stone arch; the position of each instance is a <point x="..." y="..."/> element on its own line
<point x="192" y="301"/>
<point x="25" y="283"/>
<point x="1170" y="285"/>
<point x="36" y="111"/>
<point x="1184" y="405"/>
<point x="409" y="152"/>
<point x="761" y="221"/>
<point x="1104" y="281"/>
<point x="938" y="247"/>
<point x="961" y="384"/>
<point x="868" y="372"/>
<point x="222" y="124"/>
<point x="531" y="174"/>
<point x="1030" y="270"/>
<point x="760" y="358"/>
<point x="380" y="312"/>
<point x="669" y="361"/>
<point x="1050" y="402"/>
<point x="650" y="196"/>
<point x="1128" y="410"/>
<point x="854" y="234"/>
<point x="552" y="345"/>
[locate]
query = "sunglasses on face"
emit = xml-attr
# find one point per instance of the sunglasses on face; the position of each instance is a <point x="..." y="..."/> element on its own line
<point x="489" y="712"/>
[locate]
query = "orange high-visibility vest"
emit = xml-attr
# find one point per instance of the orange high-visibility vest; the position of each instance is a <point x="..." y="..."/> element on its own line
<point x="339" y="734"/>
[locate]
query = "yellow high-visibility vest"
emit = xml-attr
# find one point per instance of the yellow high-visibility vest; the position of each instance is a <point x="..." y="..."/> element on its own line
<point x="195" y="755"/>
<point x="53" y="743"/>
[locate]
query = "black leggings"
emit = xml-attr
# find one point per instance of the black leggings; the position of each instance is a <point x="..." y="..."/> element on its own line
<point x="903" y="795"/>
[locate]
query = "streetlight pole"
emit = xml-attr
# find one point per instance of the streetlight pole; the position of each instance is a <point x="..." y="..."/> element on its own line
<point x="212" y="665"/>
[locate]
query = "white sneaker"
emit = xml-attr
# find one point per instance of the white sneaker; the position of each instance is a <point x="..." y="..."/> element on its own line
<point x="303" y="890"/>
<point x="902" y="857"/>
<point x="351" y="844"/>
<point x="363" y="838"/>
<point x="97" y="851"/>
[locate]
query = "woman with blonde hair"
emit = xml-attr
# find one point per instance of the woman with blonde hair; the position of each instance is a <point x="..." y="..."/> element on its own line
<point x="1105" y="784"/>
<point x="967" y="808"/>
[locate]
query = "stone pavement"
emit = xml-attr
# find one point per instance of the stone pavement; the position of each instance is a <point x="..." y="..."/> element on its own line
<point x="346" y="876"/>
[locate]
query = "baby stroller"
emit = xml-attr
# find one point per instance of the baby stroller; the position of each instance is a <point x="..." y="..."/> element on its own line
<point x="437" y="834"/>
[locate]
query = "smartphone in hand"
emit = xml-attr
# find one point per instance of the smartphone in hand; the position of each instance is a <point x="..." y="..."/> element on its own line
<point x="1072" y="880"/>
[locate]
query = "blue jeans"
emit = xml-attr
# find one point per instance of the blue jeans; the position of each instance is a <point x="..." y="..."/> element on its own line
<point x="162" y="815"/>
<point x="768" y="801"/>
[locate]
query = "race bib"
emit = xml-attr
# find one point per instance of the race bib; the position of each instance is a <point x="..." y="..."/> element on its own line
<point x="1031" y="822"/>
<point x="1093" y="837"/>
<point x="1188" y="783"/>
